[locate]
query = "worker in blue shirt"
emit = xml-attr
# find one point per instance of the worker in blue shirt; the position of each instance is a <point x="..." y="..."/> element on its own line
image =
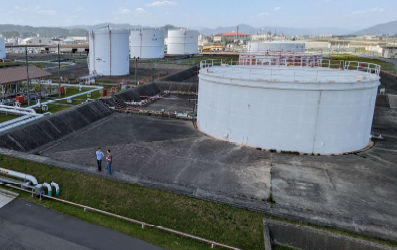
<point x="99" y="156"/>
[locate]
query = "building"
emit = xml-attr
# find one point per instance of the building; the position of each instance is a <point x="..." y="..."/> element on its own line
<point x="385" y="51"/>
<point x="37" y="41"/>
<point x="230" y="36"/>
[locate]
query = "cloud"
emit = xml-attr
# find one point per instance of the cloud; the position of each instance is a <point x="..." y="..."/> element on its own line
<point x="277" y="8"/>
<point x="158" y="3"/>
<point x="17" y="7"/>
<point x="79" y="9"/>
<point x="264" y="14"/>
<point x="362" y="12"/>
<point x="137" y="11"/>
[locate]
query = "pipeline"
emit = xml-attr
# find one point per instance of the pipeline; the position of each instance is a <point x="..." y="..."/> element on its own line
<point x="143" y="224"/>
<point x="48" y="186"/>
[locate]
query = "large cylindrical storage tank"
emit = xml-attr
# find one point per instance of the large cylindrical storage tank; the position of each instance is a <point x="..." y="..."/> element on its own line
<point x="147" y="43"/>
<point x="109" y="52"/>
<point x="276" y="46"/>
<point x="2" y="48"/>
<point x="312" y="110"/>
<point x="182" y="42"/>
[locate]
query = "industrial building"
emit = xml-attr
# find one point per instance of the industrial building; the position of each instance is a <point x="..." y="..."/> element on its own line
<point x="37" y="41"/>
<point x="311" y="109"/>
<point x="182" y="42"/>
<point x="109" y="52"/>
<point x="385" y="51"/>
<point x="2" y="48"/>
<point x="276" y="46"/>
<point x="11" y="79"/>
<point x="147" y="43"/>
<point x="230" y="36"/>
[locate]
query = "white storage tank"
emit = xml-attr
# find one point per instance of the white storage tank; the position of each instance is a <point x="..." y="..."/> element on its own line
<point x="109" y="52"/>
<point x="182" y="42"/>
<point x="276" y="46"/>
<point x="313" y="110"/>
<point x="147" y="43"/>
<point x="2" y="48"/>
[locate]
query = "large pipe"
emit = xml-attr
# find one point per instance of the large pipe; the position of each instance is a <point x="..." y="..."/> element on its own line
<point x="18" y="108"/>
<point x="48" y="186"/>
<point x="19" y="175"/>
<point x="56" y="187"/>
<point x="16" y="124"/>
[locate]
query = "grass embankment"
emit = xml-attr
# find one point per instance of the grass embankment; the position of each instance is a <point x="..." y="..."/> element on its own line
<point x="4" y="117"/>
<point x="385" y="66"/>
<point x="229" y="225"/>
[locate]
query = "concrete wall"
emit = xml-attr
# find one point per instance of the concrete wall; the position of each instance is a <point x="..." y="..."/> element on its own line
<point x="308" y="238"/>
<point x="147" y="89"/>
<point x="181" y="75"/>
<point x="35" y="134"/>
<point x="176" y="86"/>
<point x="389" y="82"/>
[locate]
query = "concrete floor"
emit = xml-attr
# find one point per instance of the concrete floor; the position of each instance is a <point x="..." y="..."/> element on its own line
<point x="356" y="192"/>
<point x="172" y="103"/>
<point x="26" y="225"/>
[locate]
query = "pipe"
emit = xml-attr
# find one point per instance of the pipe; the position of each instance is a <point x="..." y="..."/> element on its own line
<point x="18" y="108"/>
<point x="56" y="187"/>
<point x="16" y="124"/>
<point x="16" y="174"/>
<point x="48" y="186"/>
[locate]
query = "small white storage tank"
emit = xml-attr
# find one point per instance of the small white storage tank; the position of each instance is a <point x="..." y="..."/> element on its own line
<point x="276" y="46"/>
<point x="147" y="43"/>
<point x="109" y="52"/>
<point x="2" y="48"/>
<point x="305" y="109"/>
<point x="182" y="42"/>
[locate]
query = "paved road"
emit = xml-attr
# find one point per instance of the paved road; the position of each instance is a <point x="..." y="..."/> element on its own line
<point x="26" y="225"/>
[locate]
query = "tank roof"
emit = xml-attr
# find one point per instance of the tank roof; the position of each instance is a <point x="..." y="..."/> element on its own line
<point x="324" y="73"/>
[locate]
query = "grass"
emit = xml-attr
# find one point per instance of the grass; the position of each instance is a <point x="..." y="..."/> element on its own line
<point x="385" y="66"/>
<point x="229" y="225"/>
<point x="4" y="117"/>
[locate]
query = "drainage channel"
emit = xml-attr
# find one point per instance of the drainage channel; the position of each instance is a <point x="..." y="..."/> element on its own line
<point x="143" y="224"/>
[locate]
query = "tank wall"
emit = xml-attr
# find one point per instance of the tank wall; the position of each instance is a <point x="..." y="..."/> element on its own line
<point x="109" y="52"/>
<point x="306" y="121"/>
<point x="2" y="48"/>
<point x="120" y="54"/>
<point x="181" y="42"/>
<point x="147" y="44"/>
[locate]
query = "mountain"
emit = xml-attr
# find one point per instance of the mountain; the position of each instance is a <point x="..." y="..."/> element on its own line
<point x="287" y="31"/>
<point x="27" y="31"/>
<point x="383" y="28"/>
<point x="117" y="25"/>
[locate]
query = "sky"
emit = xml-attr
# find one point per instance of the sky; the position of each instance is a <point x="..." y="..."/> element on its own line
<point x="348" y="14"/>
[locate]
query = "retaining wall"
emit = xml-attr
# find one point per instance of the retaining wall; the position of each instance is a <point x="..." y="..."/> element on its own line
<point x="176" y="86"/>
<point x="147" y="89"/>
<point x="389" y="82"/>
<point x="35" y="134"/>
<point x="181" y="75"/>
<point x="308" y="238"/>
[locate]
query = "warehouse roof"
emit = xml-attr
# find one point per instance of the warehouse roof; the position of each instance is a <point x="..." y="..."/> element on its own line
<point x="231" y="34"/>
<point x="16" y="74"/>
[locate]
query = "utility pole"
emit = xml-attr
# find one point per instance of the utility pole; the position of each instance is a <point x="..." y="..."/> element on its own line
<point x="27" y="75"/>
<point x="136" y="65"/>
<point x="59" y="74"/>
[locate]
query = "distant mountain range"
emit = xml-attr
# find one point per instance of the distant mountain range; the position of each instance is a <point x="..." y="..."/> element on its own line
<point x="10" y="30"/>
<point x="279" y="30"/>
<point x="383" y="28"/>
<point x="82" y="30"/>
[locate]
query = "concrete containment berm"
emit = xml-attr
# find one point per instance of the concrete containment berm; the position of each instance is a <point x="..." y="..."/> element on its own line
<point x="308" y="238"/>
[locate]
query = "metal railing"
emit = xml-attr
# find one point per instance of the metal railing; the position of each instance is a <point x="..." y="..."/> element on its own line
<point x="296" y="71"/>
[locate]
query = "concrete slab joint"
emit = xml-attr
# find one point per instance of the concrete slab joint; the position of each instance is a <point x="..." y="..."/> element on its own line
<point x="308" y="238"/>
